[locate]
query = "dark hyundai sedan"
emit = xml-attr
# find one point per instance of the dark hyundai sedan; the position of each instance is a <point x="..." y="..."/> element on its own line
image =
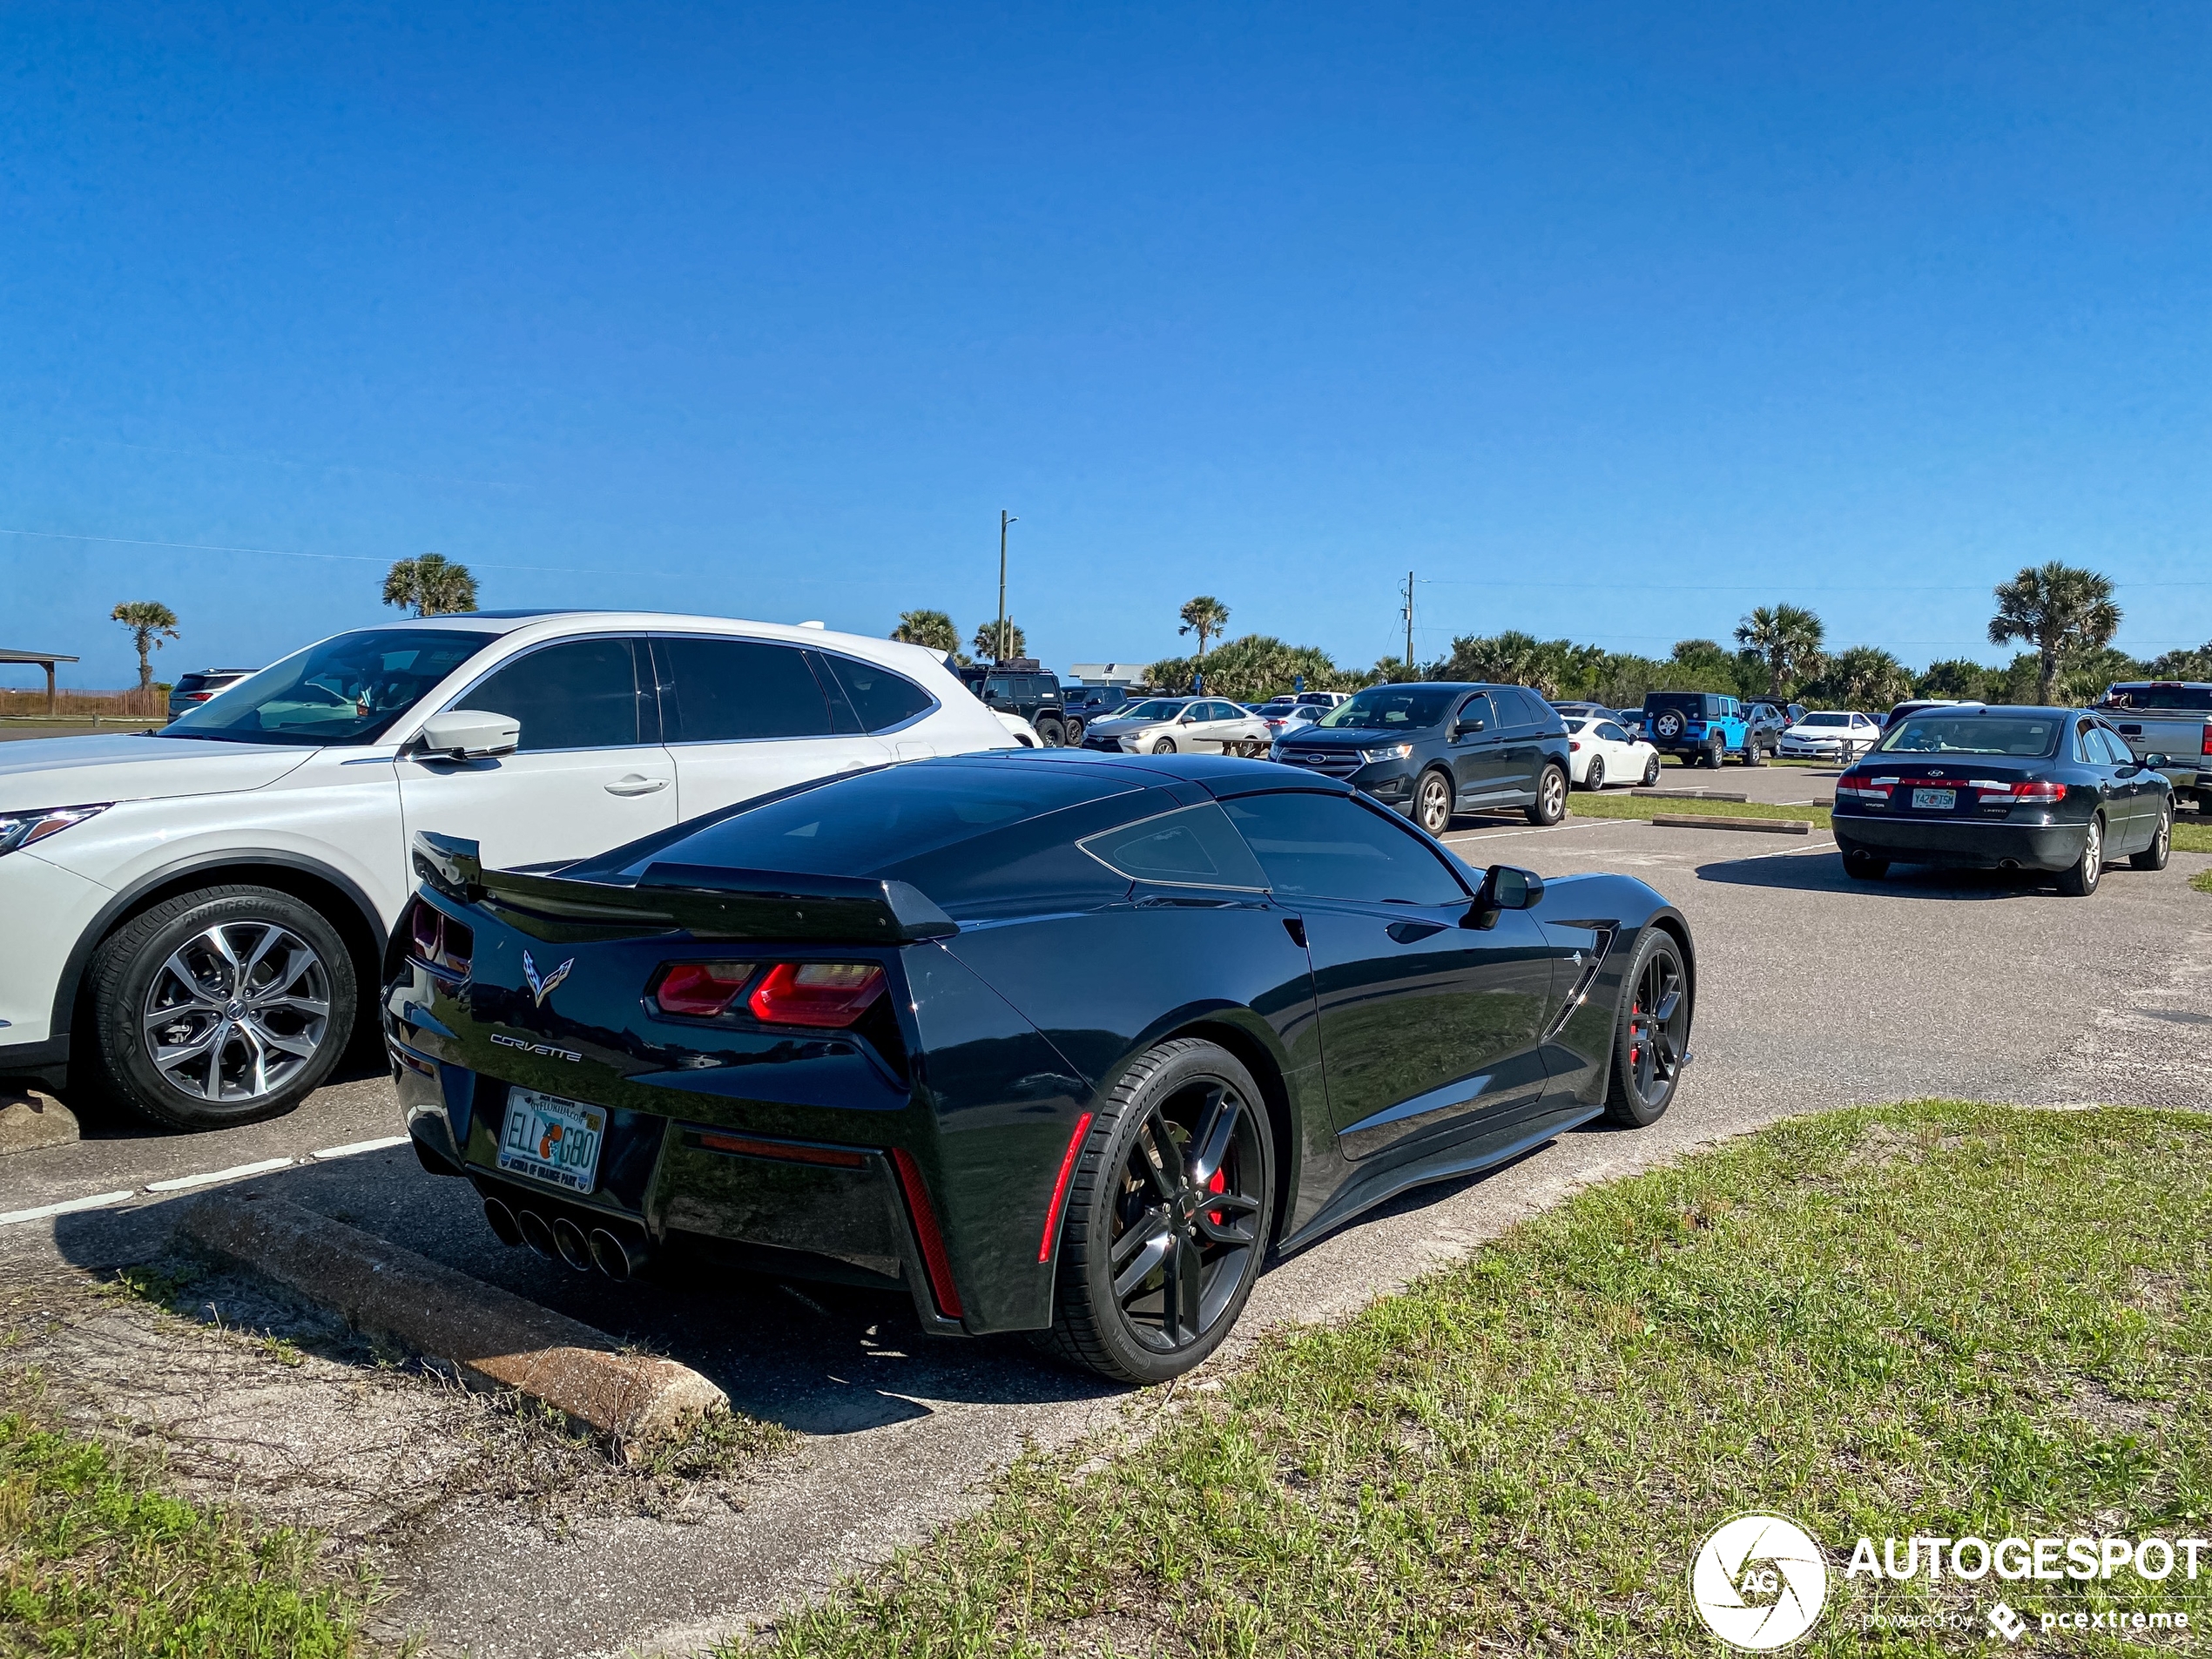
<point x="1050" y="1041"/>
<point x="2053" y="790"/>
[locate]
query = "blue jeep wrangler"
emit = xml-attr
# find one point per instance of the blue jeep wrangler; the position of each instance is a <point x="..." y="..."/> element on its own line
<point x="1704" y="728"/>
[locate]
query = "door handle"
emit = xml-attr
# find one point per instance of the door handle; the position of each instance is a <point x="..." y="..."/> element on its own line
<point x="635" y="785"/>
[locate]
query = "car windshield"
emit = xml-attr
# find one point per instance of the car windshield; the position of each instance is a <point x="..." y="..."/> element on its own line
<point x="349" y="689"/>
<point x="1391" y="706"/>
<point x="1825" y="720"/>
<point x="2188" y="699"/>
<point x="1158" y="708"/>
<point x="2030" y="735"/>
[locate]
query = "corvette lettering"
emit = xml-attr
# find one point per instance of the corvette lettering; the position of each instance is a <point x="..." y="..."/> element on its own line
<point x="527" y="1047"/>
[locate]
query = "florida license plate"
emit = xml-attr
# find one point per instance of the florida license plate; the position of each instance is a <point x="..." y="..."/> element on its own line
<point x="1934" y="800"/>
<point x="552" y="1139"/>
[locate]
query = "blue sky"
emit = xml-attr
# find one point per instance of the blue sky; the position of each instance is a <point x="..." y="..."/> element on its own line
<point x="1607" y="320"/>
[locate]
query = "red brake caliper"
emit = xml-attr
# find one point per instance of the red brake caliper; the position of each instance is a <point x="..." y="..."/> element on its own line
<point x="1219" y="1183"/>
<point x="1636" y="1049"/>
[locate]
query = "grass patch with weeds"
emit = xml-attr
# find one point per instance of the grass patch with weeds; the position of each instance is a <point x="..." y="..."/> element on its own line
<point x="94" y="1562"/>
<point x="2202" y="881"/>
<point x="2192" y="836"/>
<point x="1584" y="804"/>
<point x="1941" y="1319"/>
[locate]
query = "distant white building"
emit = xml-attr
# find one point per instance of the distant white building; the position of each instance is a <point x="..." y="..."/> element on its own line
<point x="1110" y="673"/>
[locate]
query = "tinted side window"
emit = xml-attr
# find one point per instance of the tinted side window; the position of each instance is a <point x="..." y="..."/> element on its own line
<point x="882" y="699"/>
<point x="1478" y="708"/>
<point x="1194" y="848"/>
<point x="582" y="694"/>
<point x="727" y="690"/>
<point x="1326" y="847"/>
<point x="2115" y="749"/>
<point x="1611" y="732"/>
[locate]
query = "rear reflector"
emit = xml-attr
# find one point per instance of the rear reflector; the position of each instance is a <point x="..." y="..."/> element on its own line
<point x="827" y="994"/>
<point x="700" y="989"/>
<point x="751" y="1146"/>
<point x="1060" y="1187"/>
<point x="933" y="1258"/>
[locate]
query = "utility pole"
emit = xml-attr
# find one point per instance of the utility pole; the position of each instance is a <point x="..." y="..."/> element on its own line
<point x="1409" y="622"/>
<point x="998" y="639"/>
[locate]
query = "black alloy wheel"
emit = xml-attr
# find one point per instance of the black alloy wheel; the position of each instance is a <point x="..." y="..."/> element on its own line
<point x="1432" y="802"/>
<point x="1652" y="1036"/>
<point x="1051" y="733"/>
<point x="224" y="1006"/>
<point x="1594" y="778"/>
<point x="1551" y="796"/>
<point x="2154" y="856"/>
<point x="1163" y="746"/>
<point x="1167" y="1217"/>
<point x="2080" y="878"/>
<point x="1651" y="772"/>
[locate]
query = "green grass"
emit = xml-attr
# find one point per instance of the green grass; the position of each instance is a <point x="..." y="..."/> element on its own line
<point x="2202" y="881"/>
<point x="2192" y="835"/>
<point x="1939" y="1318"/>
<point x="95" y="1564"/>
<point x="1584" y="805"/>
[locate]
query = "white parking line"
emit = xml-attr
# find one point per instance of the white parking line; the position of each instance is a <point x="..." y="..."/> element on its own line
<point x="237" y="1172"/>
<point x="352" y="1147"/>
<point x="68" y="1206"/>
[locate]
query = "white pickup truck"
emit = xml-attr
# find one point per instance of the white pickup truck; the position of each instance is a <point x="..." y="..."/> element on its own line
<point x="2172" y="718"/>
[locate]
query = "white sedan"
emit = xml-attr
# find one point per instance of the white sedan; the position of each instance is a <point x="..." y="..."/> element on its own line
<point x="1599" y="752"/>
<point x="1830" y="734"/>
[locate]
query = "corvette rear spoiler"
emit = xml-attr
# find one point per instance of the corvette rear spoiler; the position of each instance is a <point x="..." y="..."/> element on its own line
<point x="699" y="899"/>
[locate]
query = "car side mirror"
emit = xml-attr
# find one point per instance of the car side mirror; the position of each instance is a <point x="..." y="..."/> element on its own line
<point x="468" y="734"/>
<point x="1466" y="727"/>
<point x="2158" y="762"/>
<point x="1505" y="887"/>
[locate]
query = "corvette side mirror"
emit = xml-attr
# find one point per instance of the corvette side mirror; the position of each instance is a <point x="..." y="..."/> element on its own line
<point x="1504" y="887"/>
<point x="468" y="734"/>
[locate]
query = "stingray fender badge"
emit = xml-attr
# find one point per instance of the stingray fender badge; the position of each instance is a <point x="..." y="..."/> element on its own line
<point x="542" y="987"/>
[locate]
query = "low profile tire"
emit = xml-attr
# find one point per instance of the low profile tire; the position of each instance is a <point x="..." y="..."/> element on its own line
<point x="1593" y="779"/>
<point x="1167" y="1217"/>
<point x="1052" y="734"/>
<point x="1432" y="802"/>
<point x="1864" y="866"/>
<point x="1651" y="772"/>
<point x="1163" y="746"/>
<point x="1551" y="797"/>
<point x="220" y="1007"/>
<point x="1650" y="1033"/>
<point x="2154" y="856"/>
<point x="2080" y="878"/>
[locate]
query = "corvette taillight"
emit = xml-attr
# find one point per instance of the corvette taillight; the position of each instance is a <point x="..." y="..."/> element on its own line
<point x="701" y="989"/>
<point x="827" y="994"/>
<point x="441" y="942"/>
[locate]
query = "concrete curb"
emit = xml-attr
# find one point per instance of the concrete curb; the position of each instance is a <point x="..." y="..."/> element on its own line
<point x="1767" y="825"/>
<point x="31" y="1119"/>
<point x="497" y="1337"/>
<point x="1686" y="794"/>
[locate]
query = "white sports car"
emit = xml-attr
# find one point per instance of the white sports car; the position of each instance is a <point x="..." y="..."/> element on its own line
<point x="1599" y="752"/>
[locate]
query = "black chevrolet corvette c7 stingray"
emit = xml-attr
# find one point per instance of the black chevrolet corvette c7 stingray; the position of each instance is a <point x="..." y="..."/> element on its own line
<point x="1057" y="1042"/>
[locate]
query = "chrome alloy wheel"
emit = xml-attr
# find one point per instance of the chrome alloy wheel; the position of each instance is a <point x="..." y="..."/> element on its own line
<point x="1654" y="1030"/>
<point x="1554" y="796"/>
<point x="236" y="1012"/>
<point x="1186" y="1215"/>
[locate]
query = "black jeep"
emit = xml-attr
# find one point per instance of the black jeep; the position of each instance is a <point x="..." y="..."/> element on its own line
<point x="1018" y="687"/>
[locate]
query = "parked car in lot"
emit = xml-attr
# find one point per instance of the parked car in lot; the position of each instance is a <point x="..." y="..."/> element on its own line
<point x="1831" y="734"/>
<point x="1704" y="728"/>
<point x="1768" y="718"/>
<point x="1169" y="726"/>
<point x="1022" y="689"/>
<point x="1082" y="704"/>
<point x="1915" y="705"/>
<point x="201" y="685"/>
<point x="1286" y="718"/>
<point x="1599" y="752"/>
<point x="2046" y="789"/>
<point x="2171" y="718"/>
<point x="195" y="916"/>
<point x="1431" y="750"/>
<point x="1056" y="1044"/>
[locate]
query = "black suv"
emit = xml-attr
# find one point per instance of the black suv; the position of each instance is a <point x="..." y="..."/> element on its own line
<point x="1431" y="750"/>
<point x="1081" y="705"/>
<point x="1018" y="687"/>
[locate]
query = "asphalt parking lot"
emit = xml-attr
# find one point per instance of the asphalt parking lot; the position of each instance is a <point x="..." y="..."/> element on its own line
<point x="1814" y="991"/>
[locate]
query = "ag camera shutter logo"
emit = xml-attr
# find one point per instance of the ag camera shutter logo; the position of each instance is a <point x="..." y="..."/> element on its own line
<point x="1759" y="1582"/>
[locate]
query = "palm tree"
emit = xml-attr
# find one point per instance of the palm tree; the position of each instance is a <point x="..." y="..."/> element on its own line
<point x="988" y="643"/>
<point x="932" y="628"/>
<point x="1864" y="676"/>
<point x="150" y="621"/>
<point x="1787" y="638"/>
<point x="1205" y="616"/>
<point x="433" y="584"/>
<point x="2061" y="610"/>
